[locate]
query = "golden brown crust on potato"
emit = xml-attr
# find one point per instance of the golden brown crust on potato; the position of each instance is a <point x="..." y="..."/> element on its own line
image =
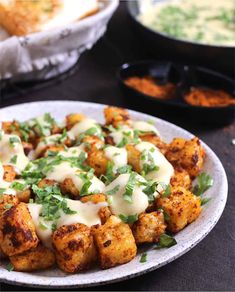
<point x="92" y="143"/>
<point x="9" y="173"/>
<point x="182" y="206"/>
<point x="18" y="230"/>
<point x="133" y="156"/>
<point x="116" y="116"/>
<point x="115" y="243"/>
<point x="73" y="119"/>
<point x="24" y="195"/>
<point x="39" y="258"/>
<point x="187" y="154"/>
<point x="74" y="246"/>
<point x="149" y="227"/>
<point x="46" y="182"/>
<point x="98" y="161"/>
<point x="181" y="178"/>
<point x="5" y="201"/>
<point x="68" y="188"/>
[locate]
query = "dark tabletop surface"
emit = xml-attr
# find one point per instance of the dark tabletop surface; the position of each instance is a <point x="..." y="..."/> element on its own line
<point x="211" y="264"/>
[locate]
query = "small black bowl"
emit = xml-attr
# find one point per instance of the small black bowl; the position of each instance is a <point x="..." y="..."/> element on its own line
<point x="184" y="76"/>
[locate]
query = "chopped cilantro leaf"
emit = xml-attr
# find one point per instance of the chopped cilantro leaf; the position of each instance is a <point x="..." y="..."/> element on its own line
<point x="128" y="219"/>
<point x="143" y="258"/>
<point x="204" y="182"/>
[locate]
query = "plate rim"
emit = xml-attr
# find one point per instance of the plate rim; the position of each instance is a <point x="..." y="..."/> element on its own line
<point x="6" y="278"/>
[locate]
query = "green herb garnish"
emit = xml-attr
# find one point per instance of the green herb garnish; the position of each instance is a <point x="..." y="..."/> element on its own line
<point x="128" y="219"/>
<point x="204" y="182"/>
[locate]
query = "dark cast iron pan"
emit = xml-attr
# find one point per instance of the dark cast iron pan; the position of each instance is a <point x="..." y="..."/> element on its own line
<point x="220" y="58"/>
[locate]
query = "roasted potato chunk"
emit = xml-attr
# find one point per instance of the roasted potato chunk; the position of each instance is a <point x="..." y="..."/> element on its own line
<point x="149" y="227"/>
<point x="52" y="148"/>
<point x="6" y="201"/>
<point x="155" y="140"/>
<point x="181" y="178"/>
<point x="95" y="198"/>
<point x="75" y="250"/>
<point x="98" y="161"/>
<point x="92" y="143"/>
<point x="24" y="195"/>
<point x="133" y="156"/>
<point x="68" y="187"/>
<point x="182" y="207"/>
<point x="115" y="243"/>
<point x="116" y="116"/>
<point x="9" y="173"/>
<point x="18" y="230"/>
<point x="187" y="154"/>
<point x="73" y="119"/>
<point x="39" y="258"/>
<point x="46" y="182"/>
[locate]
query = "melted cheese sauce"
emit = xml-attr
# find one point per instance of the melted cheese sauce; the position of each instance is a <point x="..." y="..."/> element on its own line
<point x="120" y="206"/>
<point x="71" y="11"/>
<point x="86" y="213"/>
<point x="10" y="150"/>
<point x="145" y="127"/>
<point x="166" y="170"/>
<point x="65" y="170"/>
<point x="48" y="141"/>
<point x="82" y="127"/>
<point x="117" y="155"/>
<point x="124" y="131"/>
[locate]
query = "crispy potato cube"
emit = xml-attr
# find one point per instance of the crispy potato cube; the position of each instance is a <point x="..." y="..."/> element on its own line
<point x="92" y="143"/>
<point x="2" y="254"/>
<point x="5" y="201"/>
<point x="73" y="119"/>
<point x="182" y="207"/>
<point x="46" y="182"/>
<point x="95" y="198"/>
<point x="181" y="178"/>
<point x="115" y="243"/>
<point x="116" y="116"/>
<point x="156" y="141"/>
<point x="133" y="156"/>
<point x="75" y="250"/>
<point x="98" y="161"/>
<point x="39" y="258"/>
<point x="9" y="173"/>
<point x="18" y="230"/>
<point x="24" y="195"/>
<point x="188" y="154"/>
<point x="68" y="187"/>
<point x="149" y="227"/>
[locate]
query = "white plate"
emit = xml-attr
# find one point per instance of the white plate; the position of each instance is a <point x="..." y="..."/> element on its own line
<point x="186" y="239"/>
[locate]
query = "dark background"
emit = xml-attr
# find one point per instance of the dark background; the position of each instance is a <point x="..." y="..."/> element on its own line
<point x="211" y="264"/>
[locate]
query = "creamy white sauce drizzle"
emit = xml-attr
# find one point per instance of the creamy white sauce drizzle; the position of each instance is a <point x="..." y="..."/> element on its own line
<point x="117" y="155"/>
<point x="9" y="150"/>
<point x="145" y="127"/>
<point x="86" y="213"/>
<point x="119" y="205"/>
<point x="47" y="141"/>
<point x="119" y="134"/>
<point x="82" y="127"/>
<point x="165" y="171"/>
<point x="64" y="170"/>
